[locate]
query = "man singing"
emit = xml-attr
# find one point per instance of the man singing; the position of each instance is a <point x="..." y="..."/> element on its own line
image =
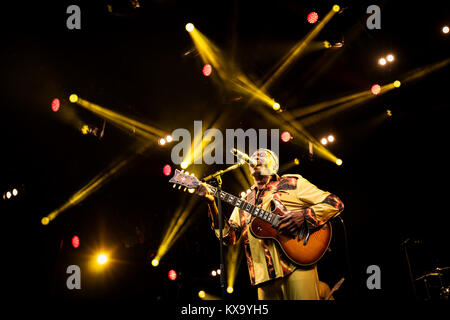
<point x="275" y="276"/>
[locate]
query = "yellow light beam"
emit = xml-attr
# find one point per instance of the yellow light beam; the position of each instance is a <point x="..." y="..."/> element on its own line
<point x="233" y="257"/>
<point x="177" y="226"/>
<point x="206" y="296"/>
<point x="306" y="110"/>
<point x="423" y="71"/>
<point x="289" y="165"/>
<point x="94" y="184"/>
<point x="297" y="50"/>
<point x="285" y="121"/>
<point x="232" y="77"/>
<point x="130" y="124"/>
<point x="368" y="95"/>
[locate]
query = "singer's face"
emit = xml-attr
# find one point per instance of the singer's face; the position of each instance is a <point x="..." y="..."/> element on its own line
<point x="265" y="164"/>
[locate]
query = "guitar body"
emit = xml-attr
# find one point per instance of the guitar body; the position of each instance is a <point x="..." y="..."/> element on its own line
<point x="295" y="249"/>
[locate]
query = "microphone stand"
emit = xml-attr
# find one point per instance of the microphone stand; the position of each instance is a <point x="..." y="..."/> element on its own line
<point x="218" y="176"/>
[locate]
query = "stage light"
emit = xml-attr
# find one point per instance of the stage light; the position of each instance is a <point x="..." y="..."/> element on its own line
<point x="296" y="161"/>
<point x="8" y="194"/>
<point x="155" y="262"/>
<point x="389" y="113"/>
<point x="167" y="170"/>
<point x="397" y="83"/>
<point x="324" y="141"/>
<point x="102" y="258"/>
<point x="207" y="70"/>
<point x="184" y="165"/>
<point x="45" y="221"/>
<point x="312" y="17"/>
<point x="276" y="106"/>
<point x="327" y="44"/>
<point x="382" y="61"/>
<point x="162" y="141"/>
<point x="218" y="271"/>
<point x="214" y="273"/>
<point x="201" y="294"/>
<point x="169" y="138"/>
<point x="189" y="27"/>
<point x="55" y="104"/>
<point x="338" y="162"/>
<point x="85" y="129"/>
<point x="191" y="190"/>
<point x="230" y="290"/>
<point x="390" y="57"/>
<point x="336" y="8"/>
<point x="15" y="192"/>
<point x="73" y="98"/>
<point x="376" y="89"/>
<point x="75" y="242"/>
<point x="286" y="136"/>
<point x="330" y="138"/>
<point x="445" y="29"/>
<point x="172" y="275"/>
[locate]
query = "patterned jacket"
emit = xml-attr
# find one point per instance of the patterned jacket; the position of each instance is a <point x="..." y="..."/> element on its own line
<point x="265" y="260"/>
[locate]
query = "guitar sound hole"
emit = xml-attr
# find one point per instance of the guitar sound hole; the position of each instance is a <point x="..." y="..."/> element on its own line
<point x="272" y="206"/>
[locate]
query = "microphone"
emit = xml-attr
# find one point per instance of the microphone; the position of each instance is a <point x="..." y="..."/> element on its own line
<point x="243" y="156"/>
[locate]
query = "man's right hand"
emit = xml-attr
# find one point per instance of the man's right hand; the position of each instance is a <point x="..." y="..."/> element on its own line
<point x="202" y="191"/>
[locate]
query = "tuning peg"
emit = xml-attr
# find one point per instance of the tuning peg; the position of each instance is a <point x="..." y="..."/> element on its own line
<point x="174" y="185"/>
<point x="184" y="190"/>
<point x="179" y="187"/>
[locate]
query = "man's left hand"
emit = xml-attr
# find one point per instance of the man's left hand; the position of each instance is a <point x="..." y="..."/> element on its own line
<point x="291" y="222"/>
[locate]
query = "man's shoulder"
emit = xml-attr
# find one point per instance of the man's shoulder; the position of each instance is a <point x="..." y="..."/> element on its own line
<point x="289" y="181"/>
<point x="291" y="175"/>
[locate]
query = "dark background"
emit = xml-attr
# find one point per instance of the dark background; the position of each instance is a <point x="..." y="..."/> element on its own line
<point x="393" y="180"/>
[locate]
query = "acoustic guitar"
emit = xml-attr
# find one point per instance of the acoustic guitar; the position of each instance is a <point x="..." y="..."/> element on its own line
<point x="303" y="248"/>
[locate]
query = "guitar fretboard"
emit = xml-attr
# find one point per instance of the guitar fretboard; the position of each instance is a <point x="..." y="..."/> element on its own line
<point x="244" y="205"/>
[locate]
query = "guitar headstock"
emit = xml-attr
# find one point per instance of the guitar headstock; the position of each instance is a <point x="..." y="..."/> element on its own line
<point x="184" y="179"/>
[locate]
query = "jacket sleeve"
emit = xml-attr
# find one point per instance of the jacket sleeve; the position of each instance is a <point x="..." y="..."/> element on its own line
<point x="322" y="205"/>
<point x="232" y="228"/>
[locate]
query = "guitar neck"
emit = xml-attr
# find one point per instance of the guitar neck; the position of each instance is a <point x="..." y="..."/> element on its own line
<point x="242" y="204"/>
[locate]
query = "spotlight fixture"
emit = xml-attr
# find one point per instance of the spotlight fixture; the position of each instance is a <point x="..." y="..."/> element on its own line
<point x="376" y="89"/>
<point x="189" y="27"/>
<point x="162" y="141"/>
<point x="172" y="275"/>
<point x="184" y="165"/>
<point x="73" y="98"/>
<point x="207" y="70"/>
<point x="390" y="57"/>
<point x="286" y="136"/>
<point x="55" y="104"/>
<point x="324" y="141"/>
<point x="382" y="61"/>
<point x="167" y="170"/>
<point x="445" y="29"/>
<point x="102" y="258"/>
<point x="75" y="242"/>
<point x="312" y="17"/>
